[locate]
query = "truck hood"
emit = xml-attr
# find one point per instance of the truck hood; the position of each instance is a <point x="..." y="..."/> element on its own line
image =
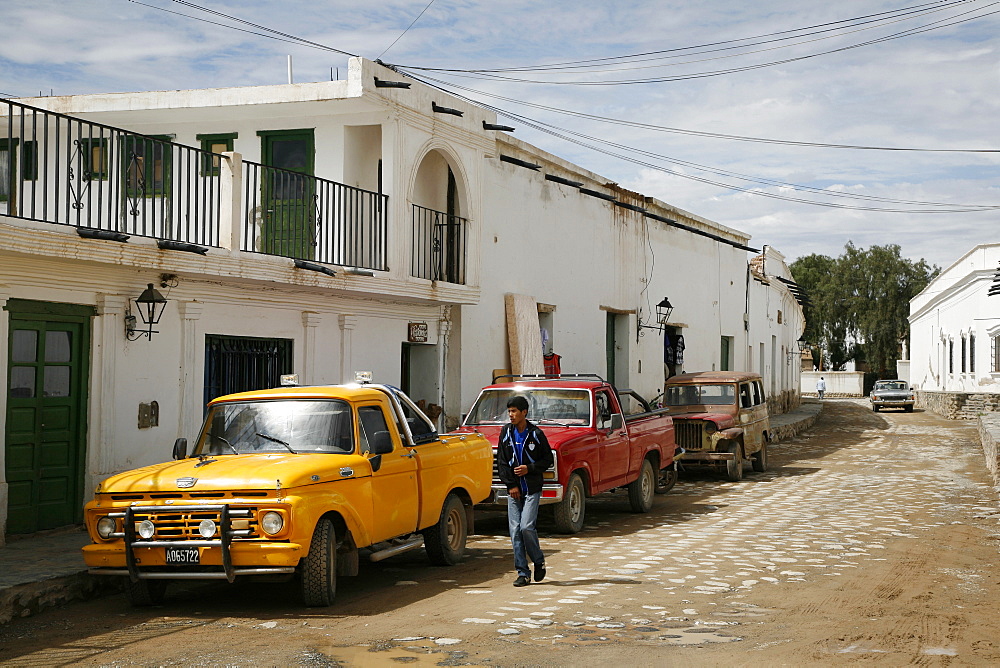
<point x="721" y="420"/>
<point x="237" y="472"/>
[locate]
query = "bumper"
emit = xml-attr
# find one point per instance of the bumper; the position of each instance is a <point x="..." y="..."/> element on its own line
<point x="257" y="558"/>
<point x="551" y="493"/>
<point x="695" y="456"/>
<point x="902" y="403"/>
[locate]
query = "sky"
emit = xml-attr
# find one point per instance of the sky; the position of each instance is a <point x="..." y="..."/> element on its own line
<point x="778" y="70"/>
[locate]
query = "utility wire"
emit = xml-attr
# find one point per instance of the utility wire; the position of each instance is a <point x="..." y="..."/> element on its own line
<point x="594" y="143"/>
<point x="936" y="25"/>
<point x="407" y="29"/>
<point x="696" y="133"/>
<point x="223" y="25"/>
<point x="301" y="40"/>
<point x="736" y="43"/>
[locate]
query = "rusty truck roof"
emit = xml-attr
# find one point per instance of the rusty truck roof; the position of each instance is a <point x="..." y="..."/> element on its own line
<point x="713" y="377"/>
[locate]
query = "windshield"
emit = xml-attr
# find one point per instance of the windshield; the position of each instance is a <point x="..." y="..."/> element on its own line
<point x="892" y="385"/>
<point x="570" y="407"/>
<point x="288" y="425"/>
<point x="691" y="395"/>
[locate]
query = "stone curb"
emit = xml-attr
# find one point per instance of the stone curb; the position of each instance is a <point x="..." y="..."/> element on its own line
<point x="24" y="600"/>
<point x="989" y="437"/>
<point x="791" y="424"/>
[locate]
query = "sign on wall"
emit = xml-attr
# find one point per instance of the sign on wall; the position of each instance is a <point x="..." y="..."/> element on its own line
<point x="417" y="332"/>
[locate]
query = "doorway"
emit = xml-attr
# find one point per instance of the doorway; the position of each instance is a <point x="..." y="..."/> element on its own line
<point x="288" y="193"/>
<point x="45" y="434"/>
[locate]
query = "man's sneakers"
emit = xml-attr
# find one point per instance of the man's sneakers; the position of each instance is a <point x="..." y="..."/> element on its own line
<point x="521" y="581"/>
<point x="539" y="572"/>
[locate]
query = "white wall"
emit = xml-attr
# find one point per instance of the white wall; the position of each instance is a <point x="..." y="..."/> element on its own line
<point x="953" y="307"/>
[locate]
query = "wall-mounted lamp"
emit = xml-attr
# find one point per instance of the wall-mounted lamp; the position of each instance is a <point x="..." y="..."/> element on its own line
<point x="150" y="305"/>
<point x="663" y="311"/>
<point x="801" y="346"/>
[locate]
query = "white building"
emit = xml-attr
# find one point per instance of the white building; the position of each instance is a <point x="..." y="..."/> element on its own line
<point x="351" y="225"/>
<point x="955" y="326"/>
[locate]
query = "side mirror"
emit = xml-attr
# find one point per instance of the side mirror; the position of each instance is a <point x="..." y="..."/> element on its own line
<point x="381" y="443"/>
<point x="617" y="421"/>
<point x="180" y="448"/>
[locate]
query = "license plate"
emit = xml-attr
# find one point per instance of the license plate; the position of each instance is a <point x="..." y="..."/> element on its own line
<point x="183" y="556"/>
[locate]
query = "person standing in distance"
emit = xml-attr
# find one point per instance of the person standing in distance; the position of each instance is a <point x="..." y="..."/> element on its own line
<point x="523" y="455"/>
<point x="820" y="387"/>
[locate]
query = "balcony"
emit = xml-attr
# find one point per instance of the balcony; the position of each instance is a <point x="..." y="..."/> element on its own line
<point x="111" y="183"/>
<point x="439" y="246"/>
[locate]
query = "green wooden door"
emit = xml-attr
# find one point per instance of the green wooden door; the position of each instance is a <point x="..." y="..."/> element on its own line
<point x="289" y="194"/>
<point x="45" y="434"/>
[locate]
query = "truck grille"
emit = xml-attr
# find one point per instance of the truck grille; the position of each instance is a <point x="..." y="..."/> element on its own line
<point x="548" y="476"/>
<point x="688" y="434"/>
<point x="182" y="523"/>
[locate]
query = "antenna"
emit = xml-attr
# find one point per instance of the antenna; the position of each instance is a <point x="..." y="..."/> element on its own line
<point x="290" y="68"/>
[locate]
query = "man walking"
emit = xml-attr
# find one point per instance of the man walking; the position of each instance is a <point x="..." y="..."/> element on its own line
<point x="820" y="387"/>
<point x="523" y="455"/>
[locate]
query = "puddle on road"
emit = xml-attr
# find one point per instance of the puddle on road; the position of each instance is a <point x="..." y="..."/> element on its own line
<point x="422" y="652"/>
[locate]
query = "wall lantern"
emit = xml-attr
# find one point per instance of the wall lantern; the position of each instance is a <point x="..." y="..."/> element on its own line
<point x="802" y="346"/>
<point x="150" y="305"/>
<point x="663" y="311"/>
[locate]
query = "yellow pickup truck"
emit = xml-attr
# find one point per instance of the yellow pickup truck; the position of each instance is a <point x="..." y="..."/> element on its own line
<point x="291" y="483"/>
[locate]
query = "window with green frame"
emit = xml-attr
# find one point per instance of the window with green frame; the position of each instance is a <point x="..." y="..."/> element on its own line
<point x="215" y="143"/>
<point x="147" y="165"/>
<point x="94" y="159"/>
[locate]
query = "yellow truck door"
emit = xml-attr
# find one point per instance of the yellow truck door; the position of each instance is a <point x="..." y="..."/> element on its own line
<point x="394" y="485"/>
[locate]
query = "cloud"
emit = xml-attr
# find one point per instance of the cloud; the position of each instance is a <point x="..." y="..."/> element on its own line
<point x="935" y="90"/>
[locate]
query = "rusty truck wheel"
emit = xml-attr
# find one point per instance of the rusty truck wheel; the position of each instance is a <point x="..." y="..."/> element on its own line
<point x="759" y="461"/>
<point x="445" y="541"/>
<point x="734" y="466"/>
<point x="145" y="592"/>
<point x="640" y="490"/>
<point x="569" y="512"/>
<point x="666" y="479"/>
<point x="319" y="567"/>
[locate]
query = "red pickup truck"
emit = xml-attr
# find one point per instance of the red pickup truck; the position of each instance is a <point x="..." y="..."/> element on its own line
<point x="597" y="445"/>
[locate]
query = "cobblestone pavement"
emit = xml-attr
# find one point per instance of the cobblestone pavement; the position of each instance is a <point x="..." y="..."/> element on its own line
<point x="872" y="539"/>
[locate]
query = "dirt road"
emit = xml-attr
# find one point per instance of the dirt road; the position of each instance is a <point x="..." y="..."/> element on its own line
<point x="873" y="540"/>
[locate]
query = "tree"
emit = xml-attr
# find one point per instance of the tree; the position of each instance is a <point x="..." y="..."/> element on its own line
<point x="861" y="302"/>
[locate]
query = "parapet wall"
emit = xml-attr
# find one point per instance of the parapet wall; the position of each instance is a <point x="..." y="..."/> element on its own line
<point x="838" y="383"/>
<point x="959" y="405"/>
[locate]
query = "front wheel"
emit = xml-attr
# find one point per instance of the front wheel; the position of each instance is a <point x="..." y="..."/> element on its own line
<point x="145" y="593"/>
<point x="445" y="541"/>
<point x="908" y="409"/>
<point x="734" y="466"/>
<point x="640" y="490"/>
<point x="319" y="567"/>
<point x="666" y="479"/>
<point x="760" y="459"/>
<point x="570" y="511"/>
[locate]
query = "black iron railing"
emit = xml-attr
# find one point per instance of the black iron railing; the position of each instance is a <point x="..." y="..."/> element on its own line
<point x="59" y="169"/>
<point x="301" y="216"/>
<point x="439" y="245"/>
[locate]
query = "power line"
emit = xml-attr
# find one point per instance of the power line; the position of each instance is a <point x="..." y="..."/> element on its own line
<point x="642" y="57"/>
<point x="594" y="143"/>
<point x="936" y="25"/>
<point x="407" y="29"/>
<point x="696" y="133"/>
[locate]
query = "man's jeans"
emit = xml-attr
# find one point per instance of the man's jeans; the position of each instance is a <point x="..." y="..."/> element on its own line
<point x="522" y="514"/>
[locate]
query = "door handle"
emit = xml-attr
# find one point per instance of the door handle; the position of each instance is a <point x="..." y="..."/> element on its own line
<point x="623" y="433"/>
<point x="409" y="454"/>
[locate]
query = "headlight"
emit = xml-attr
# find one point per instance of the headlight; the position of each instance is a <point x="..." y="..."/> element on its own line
<point x="146" y="529"/>
<point x="206" y="528"/>
<point x="105" y="527"/>
<point x="711" y="428"/>
<point x="272" y="522"/>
